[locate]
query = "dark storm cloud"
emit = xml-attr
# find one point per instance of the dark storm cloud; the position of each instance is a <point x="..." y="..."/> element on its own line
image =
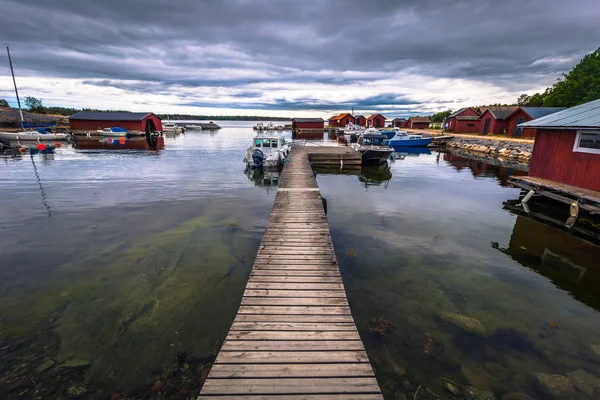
<point x="153" y="45"/>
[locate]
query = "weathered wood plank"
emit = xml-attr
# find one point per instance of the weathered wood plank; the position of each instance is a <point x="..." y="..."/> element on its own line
<point x="295" y="286"/>
<point x="352" y="396"/>
<point x="293" y="335"/>
<point x="294" y="293"/>
<point x="302" y="310"/>
<point x="294" y="301"/>
<point x="296" y="279"/>
<point x="293" y="318"/>
<point x="293" y="272"/>
<point x="286" y="357"/>
<point x="292" y="326"/>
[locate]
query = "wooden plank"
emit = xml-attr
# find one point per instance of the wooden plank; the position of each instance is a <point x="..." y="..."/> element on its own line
<point x="352" y="396"/>
<point x="286" y="357"/>
<point x="294" y="335"/>
<point x="302" y="310"/>
<point x="327" y="267"/>
<point x="293" y="345"/>
<point x="294" y="293"/>
<point x="296" y="279"/>
<point x="292" y="272"/>
<point x="292" y="326"/>
<point x="295" y="286"/>
<point x="293" y="318"/>
<point x="294" y="301"/>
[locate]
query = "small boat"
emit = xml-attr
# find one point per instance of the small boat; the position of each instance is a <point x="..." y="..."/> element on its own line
<point x="171" y="127"/>
<point x="268" y="150"/>
<point x="28" y="135"/>
<point x="34" y="136"/>
<point x="193" y="127"/>
<point x="406" y="139"/>
<point x="114" y="131"/>
<point x="373" y="148"/>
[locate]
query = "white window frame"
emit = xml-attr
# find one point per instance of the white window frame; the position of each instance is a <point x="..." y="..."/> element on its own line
<point x="578" y="149"/>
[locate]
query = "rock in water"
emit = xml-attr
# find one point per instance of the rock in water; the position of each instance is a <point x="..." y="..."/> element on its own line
<point x="595" y="348"/>
<point x="472" y="393"/>
<point x="450" y="386"/>
<point x="555" y="385"/>
<point x="468" y="324"/>
<point x="585" y="382"/>
<point x="44" y="367"/>
<point x="74" y="364"/>
<point x="76" y="391"/>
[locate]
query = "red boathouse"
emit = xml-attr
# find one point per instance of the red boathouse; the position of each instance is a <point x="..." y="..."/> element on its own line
<point x="132" y="121"/>
<point x="418" y="123"/>
<point x="376" y="121"/>
<point x="465" y="120"/>
<point x="567" y="146"/>
<point x="399" y="123"/>
<point x="360" y="120"/>
<point x="526" y="114"/>
<point x="494" y="120"/>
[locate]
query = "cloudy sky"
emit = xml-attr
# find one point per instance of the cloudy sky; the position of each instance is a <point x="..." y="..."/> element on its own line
<point x="291" y="58"/>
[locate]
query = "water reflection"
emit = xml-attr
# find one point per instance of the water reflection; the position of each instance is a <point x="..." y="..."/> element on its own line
<point x="151" y="142"/>
<point x="484" y="167"/>
<point x="265" y="178"/>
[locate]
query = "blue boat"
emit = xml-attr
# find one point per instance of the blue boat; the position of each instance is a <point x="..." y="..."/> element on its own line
<point x="406" y="139"/>
<point x="389" y="133"/>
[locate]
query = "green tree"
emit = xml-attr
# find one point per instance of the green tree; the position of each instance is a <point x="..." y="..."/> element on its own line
<point x="523" y="99"/>
<point x="34" y="104"/>
<point x="4" y="103"/>
<point x="439" y="117"/>
<point x="580" y="85"/>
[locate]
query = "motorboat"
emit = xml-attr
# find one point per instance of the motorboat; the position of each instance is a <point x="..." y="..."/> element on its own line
<point x="193" y="127"/>
<point x="268" y="150"/>
<point x="114" y="131"/>
<point x="389" y="133"/>
<point x="171" y="127"/>
<point x="351" y="128"/>
<point x="373" y="147"/>
<point x="407" y="139"/>
<point x="34" y="136"/>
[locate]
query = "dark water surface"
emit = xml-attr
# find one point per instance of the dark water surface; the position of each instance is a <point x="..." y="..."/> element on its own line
<point x="121" y="271"/>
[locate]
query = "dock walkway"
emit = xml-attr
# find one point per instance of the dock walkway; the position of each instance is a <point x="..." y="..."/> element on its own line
<point x="294" y="336"/>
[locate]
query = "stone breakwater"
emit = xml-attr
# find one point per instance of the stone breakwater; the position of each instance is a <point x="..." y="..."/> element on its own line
<point x="494" y="148"/>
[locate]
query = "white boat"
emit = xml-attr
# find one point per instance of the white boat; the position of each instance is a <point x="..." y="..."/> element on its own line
<point x="34" y="136"/>
<point x="114" y="131"/>
<point x="350" y="128"/>
<point x="170" y="127"/>
<point x="28" y="135"/>
<point x="268" y="150"/>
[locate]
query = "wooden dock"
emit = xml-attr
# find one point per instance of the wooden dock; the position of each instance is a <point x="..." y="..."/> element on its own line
<point x="294" y="336"/>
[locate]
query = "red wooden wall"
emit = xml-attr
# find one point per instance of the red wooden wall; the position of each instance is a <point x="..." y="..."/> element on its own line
<point x="361" y="121"/>
<point x="418" y="125"/>
<point x="466" y="126"/>
<point x="92" y="125"/>
<point x="377" y="121"/>
<point x="553" y="158"/>
<point x="308" y="125"/>
<point x="496" y="126"/>
<point x="512" y="123"/>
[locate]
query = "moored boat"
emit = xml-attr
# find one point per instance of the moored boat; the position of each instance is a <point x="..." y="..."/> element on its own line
<point x="34" y="136"/>
<point x="268" y="150"/>
<point x="407" y="139"/>
<point x="373" y="148"/>
<point x="114" y="131"/>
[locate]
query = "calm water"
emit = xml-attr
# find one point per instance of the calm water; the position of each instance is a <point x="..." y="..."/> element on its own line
<point x="121" y="271"/>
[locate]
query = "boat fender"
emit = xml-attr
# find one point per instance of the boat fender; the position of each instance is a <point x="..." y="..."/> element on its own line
<point x="574" y="210"/>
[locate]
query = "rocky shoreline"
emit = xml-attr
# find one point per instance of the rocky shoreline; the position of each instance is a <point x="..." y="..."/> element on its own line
<point x="493" y="148"/>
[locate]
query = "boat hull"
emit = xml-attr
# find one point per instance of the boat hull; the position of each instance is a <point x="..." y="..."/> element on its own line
<point x="388" y="134"/>
<point x="410" y="143"/>
<point x="113" y="134"/>
<point x="375" y="156"/>
<point x="34" y="136"/>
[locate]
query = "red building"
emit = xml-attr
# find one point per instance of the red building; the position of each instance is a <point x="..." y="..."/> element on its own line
<point x="307" y="124"/>
<point x="399" y="122"/>
<point x="92" y="121"/>
<point x="360" y="120"/>
<point x="376" y="121"/>
<point x="332" y="121"/>
<point x="567" y="146"/>
<point x="494" y="120"/>
<point x="465" y="120"/>
<point x="526" y="114"/>
<point x="341" y="120"/>
<point x="418" y="123"/>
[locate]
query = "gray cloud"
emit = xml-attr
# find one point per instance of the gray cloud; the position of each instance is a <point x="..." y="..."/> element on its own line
<point x="151" y="46"/>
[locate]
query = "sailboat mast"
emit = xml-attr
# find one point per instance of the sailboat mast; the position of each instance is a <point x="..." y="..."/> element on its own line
<point x="15" y="83"/>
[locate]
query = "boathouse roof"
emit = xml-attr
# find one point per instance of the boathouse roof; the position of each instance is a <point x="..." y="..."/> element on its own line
<point x="398" y="119"/>
<point x="583" y="116"/>
<point x="501" y="113"/>
<point x="462" y="110"/>
<point x="419" y="119"/>
<point x="308" y="119"/>
<point x="467" y="117"/>
<point x="539" y="112"/>
<point x="109" y="116"/>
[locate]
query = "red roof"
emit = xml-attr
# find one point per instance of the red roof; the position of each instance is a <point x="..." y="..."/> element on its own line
<point x="419" y="119"/>
<point x="374" y="116"/>
<point x="342" y="116"/>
